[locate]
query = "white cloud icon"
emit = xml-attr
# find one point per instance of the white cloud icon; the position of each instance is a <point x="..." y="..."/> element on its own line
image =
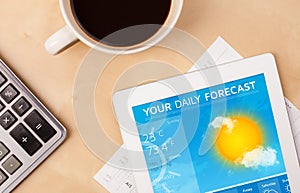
<point x="212" y="133"/>
<point x="260" y="156"/>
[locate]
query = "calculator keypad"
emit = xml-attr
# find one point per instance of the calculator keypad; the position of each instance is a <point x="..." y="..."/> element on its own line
<point x="7" y="120"/>
<point x="3" y="151"/>
<point x="21" y="106"/>
<point x="40" y="126"/>
<point x="1" y="106"/>
<point x="2" y="79"/>
<point x="3" y="177"/>
<point x="12" y="164"/>
<point x="9" y="93"/>
<point x="25" y="139"/>
<point x="28" y="132"/>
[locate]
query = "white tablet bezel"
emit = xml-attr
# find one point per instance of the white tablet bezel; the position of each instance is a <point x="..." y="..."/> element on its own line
<point x="126" y="99"/>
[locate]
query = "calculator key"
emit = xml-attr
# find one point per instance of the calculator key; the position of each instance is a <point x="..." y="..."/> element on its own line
<point x="25" y="139"/>
<point x="3" y="151"/>
<point x="2" y="79"/>
<point x="1" y="106"/>
<point x="7" y="120"/>
<point x="21" y="106"/>
<point x="12" y="164"/>
<point x="3" y="177"/>
<point x="40" y="126"/>
<point x="9" y="93"/>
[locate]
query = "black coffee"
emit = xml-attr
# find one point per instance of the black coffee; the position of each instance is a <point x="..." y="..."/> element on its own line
<point x="121" y="22"/>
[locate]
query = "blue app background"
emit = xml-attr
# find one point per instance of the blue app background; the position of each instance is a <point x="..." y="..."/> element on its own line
<point x="173" y="140"/>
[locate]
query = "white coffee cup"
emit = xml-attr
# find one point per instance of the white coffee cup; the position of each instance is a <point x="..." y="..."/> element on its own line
<point x="72" y="32"/>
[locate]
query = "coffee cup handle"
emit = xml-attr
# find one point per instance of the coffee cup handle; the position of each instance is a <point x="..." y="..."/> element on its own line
<point x="60" y="40"/>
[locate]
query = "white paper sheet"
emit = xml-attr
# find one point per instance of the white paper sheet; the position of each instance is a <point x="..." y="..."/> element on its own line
<point x="116" y="180"/>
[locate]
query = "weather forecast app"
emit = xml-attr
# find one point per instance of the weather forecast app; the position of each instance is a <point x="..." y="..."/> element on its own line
<point x="221" y="139"/>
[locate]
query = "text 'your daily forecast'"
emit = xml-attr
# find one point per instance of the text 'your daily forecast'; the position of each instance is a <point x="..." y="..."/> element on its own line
<point x="198" y="97"/>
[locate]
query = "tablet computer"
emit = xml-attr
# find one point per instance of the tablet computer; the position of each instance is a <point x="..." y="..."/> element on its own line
<point x="223" y="129"/>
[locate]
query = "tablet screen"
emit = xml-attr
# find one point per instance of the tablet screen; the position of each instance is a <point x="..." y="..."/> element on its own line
<point x="220" y="139"/>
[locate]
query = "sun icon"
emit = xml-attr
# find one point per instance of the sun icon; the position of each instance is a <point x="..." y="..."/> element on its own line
<point x="237" y="136"/>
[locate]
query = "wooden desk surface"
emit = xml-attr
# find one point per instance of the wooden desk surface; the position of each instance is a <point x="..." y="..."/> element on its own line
<point x="251" y="27"/>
